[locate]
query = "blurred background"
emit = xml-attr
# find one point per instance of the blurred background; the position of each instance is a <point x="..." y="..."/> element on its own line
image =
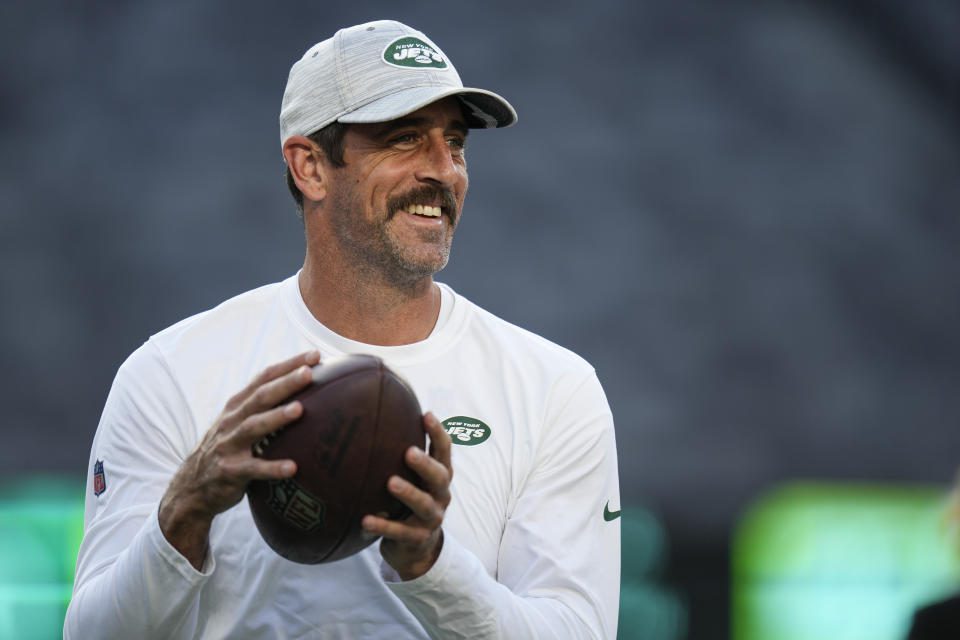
<point x="744" y="214"/>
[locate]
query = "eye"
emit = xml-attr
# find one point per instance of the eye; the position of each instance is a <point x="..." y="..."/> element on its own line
<point x="458" y="144"/>
<point x="404" y="139"/>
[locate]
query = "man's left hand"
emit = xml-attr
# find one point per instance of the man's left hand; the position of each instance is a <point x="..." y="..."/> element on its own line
<point x="412" y="546"/>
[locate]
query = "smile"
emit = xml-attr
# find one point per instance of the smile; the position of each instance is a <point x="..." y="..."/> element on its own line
<point x="423" y="210"/>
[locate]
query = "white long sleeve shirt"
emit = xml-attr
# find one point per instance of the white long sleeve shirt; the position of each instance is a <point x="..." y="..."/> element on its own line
<point x="530" y="547"/>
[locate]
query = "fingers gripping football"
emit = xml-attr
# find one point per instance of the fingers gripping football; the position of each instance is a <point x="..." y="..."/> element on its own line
<point x="213" y="478"/>
<point x="224" y="459"/>
<point x="412" y="546"/>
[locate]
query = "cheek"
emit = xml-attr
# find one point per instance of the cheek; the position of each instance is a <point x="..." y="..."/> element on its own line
<point x="374" y="192"/>
<point x="382" y="181"/>
<point x="371" y="173"/>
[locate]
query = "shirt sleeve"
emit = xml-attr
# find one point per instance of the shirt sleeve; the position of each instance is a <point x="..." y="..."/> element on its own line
<point x="558" y="570"/>
<point x="130" y="582"/>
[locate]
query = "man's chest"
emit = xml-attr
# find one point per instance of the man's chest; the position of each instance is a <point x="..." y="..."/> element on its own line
<point x="492" y="450"/>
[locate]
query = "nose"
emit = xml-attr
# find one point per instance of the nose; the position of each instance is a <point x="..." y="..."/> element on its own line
<point x="437" y="163"/>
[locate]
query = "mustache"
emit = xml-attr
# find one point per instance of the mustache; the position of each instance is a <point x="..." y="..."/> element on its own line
<point x="426" y="194"/>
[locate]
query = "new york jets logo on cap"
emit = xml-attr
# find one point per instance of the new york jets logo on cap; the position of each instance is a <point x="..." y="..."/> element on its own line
<point x="413" y="53"/>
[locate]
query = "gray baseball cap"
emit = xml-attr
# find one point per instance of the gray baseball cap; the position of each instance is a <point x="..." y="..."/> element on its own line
<point x="376" y="72"/>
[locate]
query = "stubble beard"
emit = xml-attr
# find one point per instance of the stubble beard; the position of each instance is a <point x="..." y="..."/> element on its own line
<point x="376" y="253"/>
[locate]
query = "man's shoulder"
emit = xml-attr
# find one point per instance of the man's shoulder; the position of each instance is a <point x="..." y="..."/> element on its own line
<point x="521" y="343"/>
<point x="218" y="334"/>
<point x="234" y="314"/>
<point x="220" y="339"/>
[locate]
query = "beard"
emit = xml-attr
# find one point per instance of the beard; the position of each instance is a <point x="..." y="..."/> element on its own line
<point x="378" y="250"/>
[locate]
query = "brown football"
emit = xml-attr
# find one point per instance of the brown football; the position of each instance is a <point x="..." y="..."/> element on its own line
<point x="359" y="418"/>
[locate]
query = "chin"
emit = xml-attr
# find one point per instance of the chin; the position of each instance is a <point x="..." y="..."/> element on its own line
<point x="419" y="265"/>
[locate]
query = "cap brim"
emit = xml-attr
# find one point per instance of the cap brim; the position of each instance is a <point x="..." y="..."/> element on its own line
<point x="482" y="109"/>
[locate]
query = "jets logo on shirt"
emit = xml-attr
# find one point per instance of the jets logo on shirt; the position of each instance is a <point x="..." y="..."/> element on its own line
<point x="466" y="431"/>
<point x="99" y="478"/>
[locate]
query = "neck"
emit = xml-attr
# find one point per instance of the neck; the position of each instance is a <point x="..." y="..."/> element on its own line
<point x="361" y="306"/>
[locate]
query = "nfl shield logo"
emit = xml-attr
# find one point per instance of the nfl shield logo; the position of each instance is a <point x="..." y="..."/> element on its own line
<point x="99" y="480"/>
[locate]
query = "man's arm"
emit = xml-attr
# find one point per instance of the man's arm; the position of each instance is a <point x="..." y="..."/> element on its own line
<point x="144" y="557"/>
<point x="215" y="476"/>
<point x="558" y="571"/>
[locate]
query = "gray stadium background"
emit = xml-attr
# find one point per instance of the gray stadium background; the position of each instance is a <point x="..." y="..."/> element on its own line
<point x="745" y="214"/>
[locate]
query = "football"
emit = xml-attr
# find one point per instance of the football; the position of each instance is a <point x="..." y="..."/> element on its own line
<point x="358" y="420"/>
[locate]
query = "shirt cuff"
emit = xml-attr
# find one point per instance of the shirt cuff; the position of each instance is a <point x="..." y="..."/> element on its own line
<point x="455" y="599"/>
<point x="174" y="558"/>
<point x="428" y="580"/>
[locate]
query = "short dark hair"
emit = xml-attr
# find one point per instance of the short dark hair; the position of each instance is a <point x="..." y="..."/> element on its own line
<point x="330" y="141"/>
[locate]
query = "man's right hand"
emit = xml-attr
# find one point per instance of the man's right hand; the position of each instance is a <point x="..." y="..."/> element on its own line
<point x="216" y="474"/>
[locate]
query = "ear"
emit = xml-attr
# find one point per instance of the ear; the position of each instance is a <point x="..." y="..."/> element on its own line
<point x="307" y="167"/>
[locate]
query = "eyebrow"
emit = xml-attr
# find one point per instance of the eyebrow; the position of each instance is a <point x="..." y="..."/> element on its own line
<point x="387" y="127"/>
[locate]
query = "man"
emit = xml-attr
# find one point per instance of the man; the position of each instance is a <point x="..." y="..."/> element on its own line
<point x="524" y="543"/>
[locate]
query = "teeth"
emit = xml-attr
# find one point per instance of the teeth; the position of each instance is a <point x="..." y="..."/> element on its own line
<point x="424" y="210"/>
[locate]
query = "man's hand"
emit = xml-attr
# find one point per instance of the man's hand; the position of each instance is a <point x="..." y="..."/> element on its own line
<point x="216" y="474"/>
<point x="412" y="546"/>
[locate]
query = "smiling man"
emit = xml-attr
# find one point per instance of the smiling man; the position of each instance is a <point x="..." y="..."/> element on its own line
<point x="521" y="541"/>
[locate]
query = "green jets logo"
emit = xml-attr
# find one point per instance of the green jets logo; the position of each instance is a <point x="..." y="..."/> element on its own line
<point x="413" y="53"/>
<point x="466" y="431"/>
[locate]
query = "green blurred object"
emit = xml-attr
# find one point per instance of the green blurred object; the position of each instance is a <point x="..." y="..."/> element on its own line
<point x="840" y="561"/>
<point x="41" y="524"/>
<point x="648" y="610"/>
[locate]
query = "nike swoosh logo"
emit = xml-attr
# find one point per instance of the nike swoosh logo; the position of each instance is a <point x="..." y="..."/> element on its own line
<point x="608" y="515"/>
